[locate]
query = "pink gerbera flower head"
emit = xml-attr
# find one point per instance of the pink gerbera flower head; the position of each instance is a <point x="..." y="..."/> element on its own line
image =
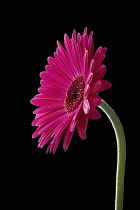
<point x="69" y="91"/>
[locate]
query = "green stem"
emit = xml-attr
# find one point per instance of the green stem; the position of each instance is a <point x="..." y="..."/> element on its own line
<point x="121" y="153"/>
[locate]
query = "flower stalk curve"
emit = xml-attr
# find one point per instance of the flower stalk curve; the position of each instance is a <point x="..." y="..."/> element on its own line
<point x="121" y="153"/>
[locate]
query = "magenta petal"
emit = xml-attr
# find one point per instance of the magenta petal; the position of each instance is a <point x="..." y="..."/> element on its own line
<point x="52" y="92"/>
<point x="104" y="85"/>
<point x="75" y="119"/>
<point x="61" y="72"/>
<point x="49" y="117"/>
<point x="95" y="100"/>
<point x="85" y="64"/>
<point x="37" y="118"/>
<point x="92" y="65"/>
<point x="85" y="30"/>
<point x="62" y="125"/>
<point x="50" y="147"/>
<point x="50" y="105"/>
<point x="68" y="45"/>
<point x="99" y="60"/>
<point x="95" y="86"/>
<point x="90" y="76"/>
<point x="51" y="80"/>
<point x="67" y="138"/>
<point x="84" y="42"/>
<point x="40" y="110"/>
<point x="104" y="49"/>
<point x="45" y="102"/>
<point x="38" y="101"/>
<point x="74" y="35"/>
<point x="59" y="132"/>
<point x="35" y="133"/>
<point x="86" y="106"/>
<point x="51" y="125"/>
<point x="52" y="61"/>
<point x="100" y="73"/>
<point x="75" y="57"/>
<point x="90" y="48"/>
<point x="94" y="114"/>
<point x="86" y="91"/>
<point x="82" y="125"/>
<point x="97" y="53"/>
<point x="57" y="143"/>
<point x="91" y="34"/>
<point x="44" y="139"/>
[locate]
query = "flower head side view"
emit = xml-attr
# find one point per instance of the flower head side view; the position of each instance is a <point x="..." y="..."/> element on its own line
<point x="69" y="95"/>
<point x="69" y="91"/>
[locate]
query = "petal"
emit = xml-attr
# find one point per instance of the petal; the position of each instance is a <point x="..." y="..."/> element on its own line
<point x="63" y="63"/>
<point x="56" y="71"/>
<point x="47" y="102"/>
<point x="84" y="42"/>
<point x="50" y="147"/>
<point x="79" y="37"/>
<point x="95" y="86"/>
<point x="80" y="56"/>
<point x="104" y="49"/>
<point x="45" y="138"/>
<point x="95" y="100"/>
<point x="37" y="118"/>
<point x="52" y="62"/>
<point x="59" y="132"/>
<point x="75" y="118"/>
<point x="91" y="34"/>
<point x="85" y="30"/>
<point x="99" y="60"/>
<point x="57" y="143"/>
<point x="90" y="48"/>
<point x="74" y="35"/>
<point x="52" y="92"/>
<point x="104" y="85"/>
<point x="67" y="138"/>
<point x="40" y="110"/>
<point x="97" y="53"/>
<point x="51" y="105"/>
<point x="35" y="133"/>
<point x="47" y="117"/>
<point x="51" y="125"/>
<point x="39" y="102"/>
<point x="86" y="106"/>
<point x="75" y="57"/>
<point x="100" y="73"/>
<point x="43" y="83"/>
<point x="85" y="63"/>
<point x="94" y="114"/>
<point x="52" y="73"/>
<point x="89" y="78"/>
<point x="48" y="105"/>
<point x="51" y="80"/>
<point x="62" y="125"/>
<point x="82" y="125"/>
<point x="68" y="46"/>
<point x="86" y="91"/>
<point x="92" y="65"/>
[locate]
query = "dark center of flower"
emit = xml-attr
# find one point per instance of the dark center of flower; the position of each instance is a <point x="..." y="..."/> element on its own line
<point x="74" y="94"/>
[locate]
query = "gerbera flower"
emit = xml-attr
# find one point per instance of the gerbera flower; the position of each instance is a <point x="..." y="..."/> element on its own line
<point x="69" y="91"/>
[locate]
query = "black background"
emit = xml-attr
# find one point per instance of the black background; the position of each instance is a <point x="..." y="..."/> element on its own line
<point x="84" y="176"/>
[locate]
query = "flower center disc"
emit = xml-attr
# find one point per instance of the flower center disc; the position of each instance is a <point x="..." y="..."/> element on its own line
<point x="74" y="94"/>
